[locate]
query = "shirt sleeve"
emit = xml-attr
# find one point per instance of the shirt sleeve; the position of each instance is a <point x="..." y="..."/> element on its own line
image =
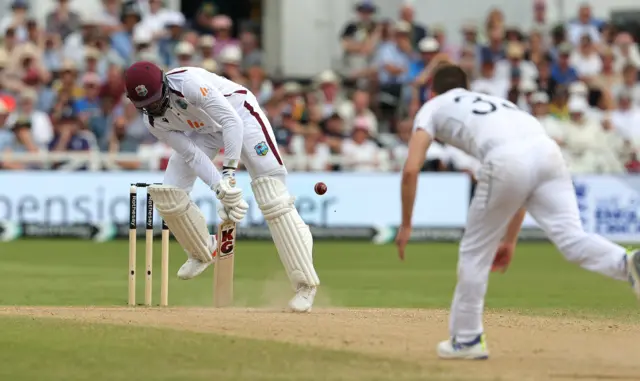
<point x="214" y="104"/>
<point x="425" y="118"/>
<point x="195" y="158"/>
<point x="349" y="31"/>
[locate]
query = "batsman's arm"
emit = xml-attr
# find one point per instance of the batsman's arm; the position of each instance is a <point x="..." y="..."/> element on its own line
<point x="418" y="146"/>
<point x="513" y="229"/>
<point x="216" y="105"/>
<point x="195" y="158"/>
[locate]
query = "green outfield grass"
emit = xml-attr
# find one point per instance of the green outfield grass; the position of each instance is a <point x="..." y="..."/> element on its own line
<point x="353" y="274"/>
<point x="77" y="273"/>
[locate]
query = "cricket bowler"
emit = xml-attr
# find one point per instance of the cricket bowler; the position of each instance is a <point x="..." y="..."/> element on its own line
<point x="198" y="113"/>
<point x="521" y="169"/>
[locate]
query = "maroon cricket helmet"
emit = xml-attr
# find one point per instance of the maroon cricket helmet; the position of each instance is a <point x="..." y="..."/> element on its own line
<point x="146" y="86"/>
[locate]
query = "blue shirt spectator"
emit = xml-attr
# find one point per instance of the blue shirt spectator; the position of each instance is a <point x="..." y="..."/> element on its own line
<point x="561" y="72"/>
<point x="393" y="58"/>
<point x="89" y="105"/>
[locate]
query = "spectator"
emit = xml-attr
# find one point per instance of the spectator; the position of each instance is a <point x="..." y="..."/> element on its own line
<point x="144" y="48"/>
<point x="584" y="25"/>
<point x="111" y="13"/>
<point x="428" y="48"/>
<point x="417" y="31"/>
<point x="626" y="118"/>
<point x="22" y="142"/>
<point x="128" y="133"/>
<point x="608" y="77"/>
<point x="615" y="151"/>
<point x="258" y="83"/>
<point x="539" y="23"/>
<point x="122" y="41"/>
<point x="393" y="59"/>
<point x="630" y="84"/>
<point x="62" y="21"/>
<point x="625" y="52"/>
<point x="74" y="44"/>
<point x="329" y="94"/>
<point x="88" y="106"/>
<point x="293" y="100"/>
<point x="488" y="82"/>
<point x="6" y="137"/>
<point x="231" y="59"/>
<point x="67" y="83"/>
<point x="495" y="48"/>
<point x="470" y="35"/>
<point x="211" y="66"/>
<point x="495" y="20"/>
<point x="586" y="60"/>
<point x="400" y="150"/>
<point x="100" y="122"/>
<point x="544" y="82"/>
<point x="515" y="59"/>
<point x="583" y="138"/>
<point x="311" y="154"/>
<point x="154" y="20"/>
<point x="358" y="107"/>
<point x="285" y="132"/>
<point x="206" y="44"/>
<point x="39" y="124"/>
<point x="360" y="154"/>
<point x="204" y="18"/>
<point x="175" y="26"/>
<point x="536" y="52"/>
<point x="68" y="136"/>
<point x="16" y="20"/>
<point x="251" y="53"/>
<point x="359" y="39"/>
<point x="222" y="26"/>
<point x="559" y="101"/>
<point x="184" y="54"/>
<point x="540" y="109"/>
<point x="52" y="53"/>
<point x="334" y="132"/>
<point x="439" y="33"/>
<point x="562" y="72"/>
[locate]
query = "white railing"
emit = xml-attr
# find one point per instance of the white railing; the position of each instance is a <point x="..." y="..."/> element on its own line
<point x="96" y="161"/>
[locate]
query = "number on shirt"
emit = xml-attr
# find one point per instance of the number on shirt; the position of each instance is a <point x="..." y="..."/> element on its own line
<point x="485" y="106"/>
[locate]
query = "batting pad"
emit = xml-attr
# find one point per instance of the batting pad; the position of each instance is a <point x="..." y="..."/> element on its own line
<point x="184" y="219"/>
<point x="291" y="235"/>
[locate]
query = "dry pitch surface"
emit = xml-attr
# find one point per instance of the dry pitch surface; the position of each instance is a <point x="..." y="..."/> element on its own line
<point x="522" y="347"/>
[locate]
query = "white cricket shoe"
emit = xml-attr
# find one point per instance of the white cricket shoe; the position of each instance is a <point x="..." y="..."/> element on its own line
<point x="473" y="350"/>
<point x="194" y="267"/>
<point x="303" y="301"/>
<point x="633" y="266"/>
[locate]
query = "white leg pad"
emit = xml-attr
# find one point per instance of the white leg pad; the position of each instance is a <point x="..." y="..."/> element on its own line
<point x="291" y="235"/>
<point x="184" y="219"/>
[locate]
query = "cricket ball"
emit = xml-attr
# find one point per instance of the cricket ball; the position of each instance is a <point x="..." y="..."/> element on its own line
<point x="320" y="188"/>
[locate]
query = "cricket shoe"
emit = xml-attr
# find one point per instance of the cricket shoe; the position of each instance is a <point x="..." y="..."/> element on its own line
<point x="303" y="301"/>
<point x="472" y="350"/>
<point x="194" y="267"/>
<point x="633" y="267"/>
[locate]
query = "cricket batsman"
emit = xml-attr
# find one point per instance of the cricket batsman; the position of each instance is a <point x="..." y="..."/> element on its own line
<point x="198" y="113"/>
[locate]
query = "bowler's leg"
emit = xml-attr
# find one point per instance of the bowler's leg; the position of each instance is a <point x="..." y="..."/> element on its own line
<point x="497" y="198"/>
<point x="555" y="207"/>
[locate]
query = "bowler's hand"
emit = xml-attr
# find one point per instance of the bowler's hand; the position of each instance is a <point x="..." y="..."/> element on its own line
<point x="503" y="257"/>
<point x="404" y="233"/>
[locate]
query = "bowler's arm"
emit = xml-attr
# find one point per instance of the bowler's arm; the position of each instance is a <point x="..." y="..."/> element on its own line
<point x="418" y="146"/>
<point x="513" y="229"/>
<point x="195" y="158"/>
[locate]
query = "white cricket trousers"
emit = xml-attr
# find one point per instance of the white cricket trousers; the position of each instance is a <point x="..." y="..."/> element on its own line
<point x="530" y="174"/>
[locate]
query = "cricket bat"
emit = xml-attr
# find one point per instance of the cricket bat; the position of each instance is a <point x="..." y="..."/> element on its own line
<point x="223" y="270"/>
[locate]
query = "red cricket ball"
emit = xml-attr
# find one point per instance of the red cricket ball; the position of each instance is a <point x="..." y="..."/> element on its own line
<point x="320" y="188"/>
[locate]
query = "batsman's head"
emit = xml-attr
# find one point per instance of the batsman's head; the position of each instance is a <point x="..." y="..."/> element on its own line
<point x="146" y="86"/>
<point x="448" y="77"/>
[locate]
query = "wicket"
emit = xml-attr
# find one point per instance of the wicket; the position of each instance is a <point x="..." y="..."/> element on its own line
<point x="133" y="237"/>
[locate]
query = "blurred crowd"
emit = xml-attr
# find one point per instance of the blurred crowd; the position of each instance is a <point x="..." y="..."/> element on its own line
<point x="61" y="83"/>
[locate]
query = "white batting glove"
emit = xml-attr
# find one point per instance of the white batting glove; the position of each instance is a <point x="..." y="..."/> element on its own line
<point x="235" y="214"/>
